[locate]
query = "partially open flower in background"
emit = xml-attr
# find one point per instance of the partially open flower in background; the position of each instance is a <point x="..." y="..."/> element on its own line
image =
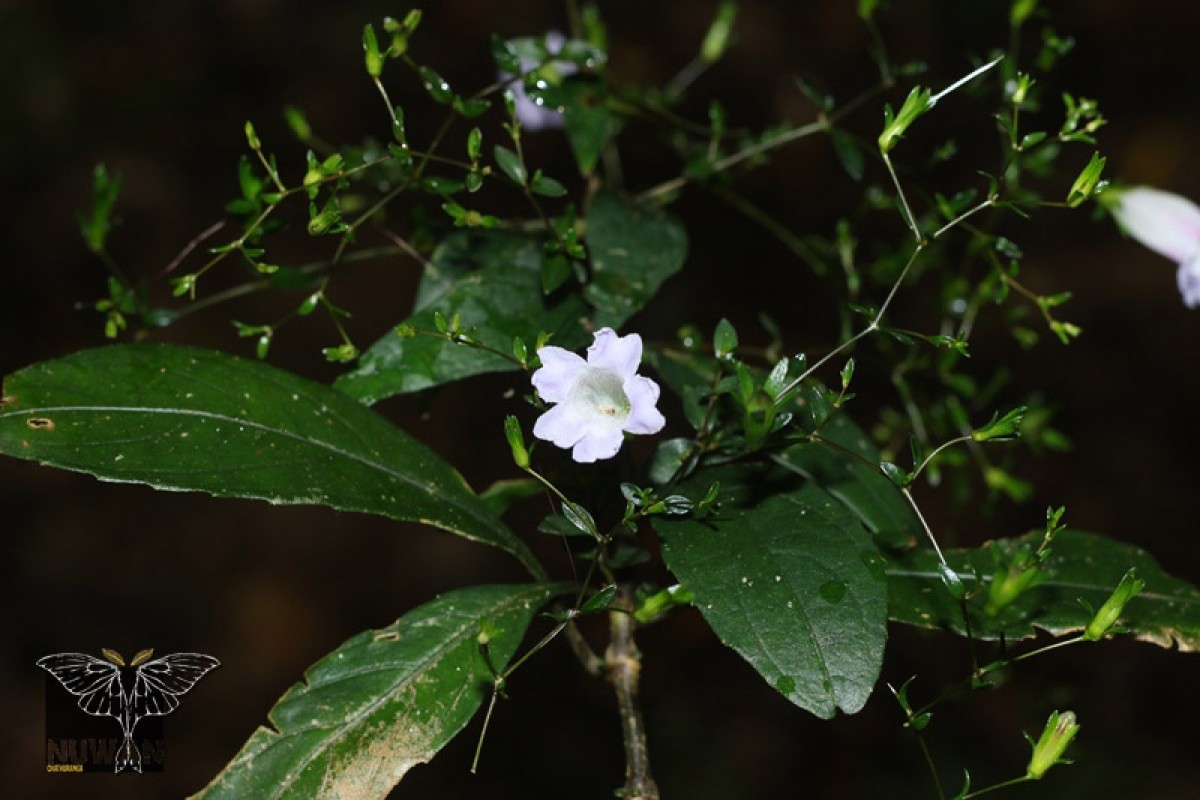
<point x="598" y="400"/>
<point x="532" y="115"/>
<point x="1169" y="225"/>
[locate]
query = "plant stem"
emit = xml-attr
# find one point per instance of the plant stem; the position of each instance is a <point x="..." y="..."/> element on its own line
<point x="624" y="669"/>
<point x="785" y="392"/>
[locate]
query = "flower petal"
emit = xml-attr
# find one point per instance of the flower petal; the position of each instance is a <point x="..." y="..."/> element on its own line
<point x="1166" y="223"/>
<point x="621" y="354"/>
<point x="559" y="370"/>
<point x="643" y="416"/>
<point x="1189" y="281"/>
<point x="597" y="445"/>
<point x="561" y="427"/>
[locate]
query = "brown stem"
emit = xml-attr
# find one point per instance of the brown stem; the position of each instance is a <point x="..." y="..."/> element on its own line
<point x="592" y="663"/>
<point x="624" y="668"/>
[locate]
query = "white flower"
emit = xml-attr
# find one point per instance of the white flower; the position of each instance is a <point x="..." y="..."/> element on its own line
<point x="1169" y="225"/>
<point x="596" y="401"/>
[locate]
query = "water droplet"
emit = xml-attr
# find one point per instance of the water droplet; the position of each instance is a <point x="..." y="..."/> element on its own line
<point x="785" y="685"/>
<point x="833" y="591"/>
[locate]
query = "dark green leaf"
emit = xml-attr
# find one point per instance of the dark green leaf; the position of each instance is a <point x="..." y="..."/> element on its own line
<point x="559" y="525"/>
<point x="634" y="250"/>
<point x="510" y="164"/>
<point x="1081" y="566"/>
<point x="546" y="186"/>
<point x="786" y="576"/>
<point x="725" y="339"/>
<point x="384" y="701"/>
<point x="588" y="122"/>
<point x="436" y="85"/>
<point x="502" y="494"/>
<point x="493" y="281"/>
<point x="849" y="153"/>
<point x="862" y="488"/>
<point x="189" y="419"/>
<point x="505" y="56"/>
<point x="96" y="224"/>
<point x="556" y="269"/>
<point x="668" y="458"/>
<point x="581" y="518"/>
<point x="600" y="600"/>
<point x="471" y="107"/>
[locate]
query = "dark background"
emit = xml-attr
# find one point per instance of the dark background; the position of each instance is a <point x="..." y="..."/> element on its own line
<point x="159" y="92"/>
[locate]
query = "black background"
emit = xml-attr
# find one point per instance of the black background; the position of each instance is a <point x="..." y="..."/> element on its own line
<point x="159" y="92"/>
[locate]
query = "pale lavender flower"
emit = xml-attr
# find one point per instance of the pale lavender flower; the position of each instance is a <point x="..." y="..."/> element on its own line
<point x="1169" y="225"/>
<point x="532" y="115"/>
<point x="597" y="401"/>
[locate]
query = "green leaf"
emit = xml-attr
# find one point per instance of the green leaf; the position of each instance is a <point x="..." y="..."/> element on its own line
<point x="874" y="499"/>
<point x="546" y="186"/>
<point x="384" y="701"/>
<point x="786" y="576"/>
<point x="586" y="117"/>
<point x="98" y="222"/>
<point x="849" y="153"/>
<point x="436" y="85"/>
<point x="493" y="281"/>
<point x="183" y="418"/>
<point x="1081" y="566"/>
<point x="510" y="164"/>
<point x="634" y="250"/>
<point x="725" y="339"/>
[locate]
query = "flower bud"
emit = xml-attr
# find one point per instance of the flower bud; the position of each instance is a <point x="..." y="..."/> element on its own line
<point x="1060" y="730"/>
<point x="1001" y="428"/>
<point x="1012" y="580"/>
<point x="916" y="104"/>
<point x="252" y="136"/>
<point x="372" y="57"/>
<point x="1108" y="614"/>
<point x="717" y="38"/>
<point x="516" y="441"/>
<point x="1088" y="181"/>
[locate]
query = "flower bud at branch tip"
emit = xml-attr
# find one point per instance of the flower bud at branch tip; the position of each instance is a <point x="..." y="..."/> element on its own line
<point x="1113" y="607"/>
<point x="1056" y="737"/>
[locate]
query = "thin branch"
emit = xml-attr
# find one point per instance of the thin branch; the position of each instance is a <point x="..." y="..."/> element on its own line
<point x="189" y="247"/>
